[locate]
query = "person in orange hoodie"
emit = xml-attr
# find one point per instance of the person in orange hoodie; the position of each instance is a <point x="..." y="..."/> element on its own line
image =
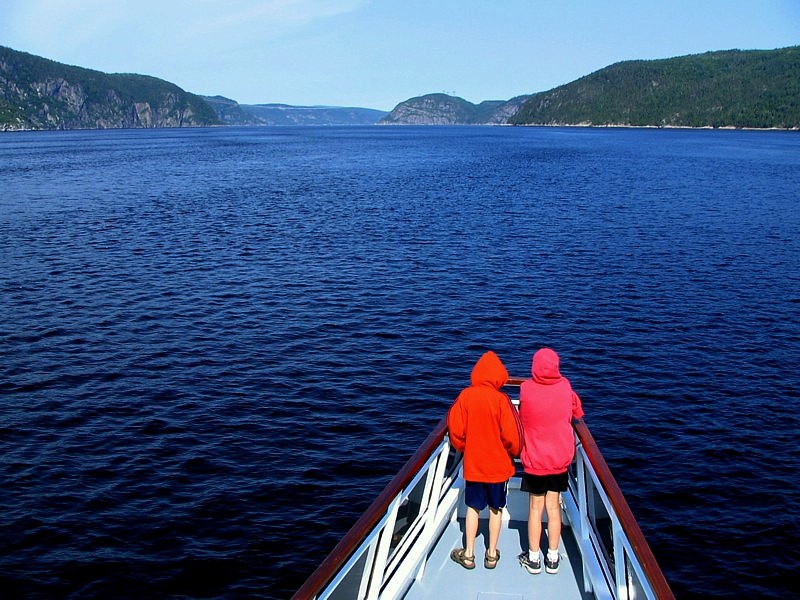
<point x="485" y="426"/>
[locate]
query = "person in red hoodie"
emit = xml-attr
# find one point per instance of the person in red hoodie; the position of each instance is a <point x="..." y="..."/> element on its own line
<point x="547" y="405"/>
<point x="484" y="425"/>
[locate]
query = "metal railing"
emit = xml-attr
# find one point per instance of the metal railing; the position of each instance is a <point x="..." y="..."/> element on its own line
<point x="617" y="560"/>
<point x="387" y="548"/>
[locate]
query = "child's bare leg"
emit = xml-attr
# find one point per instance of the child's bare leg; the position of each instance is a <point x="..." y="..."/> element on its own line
<point x="495" y="523"/>
<point x="470" y="531"/>
<point x="535" y="508"/>
<point x="553" y="507"/>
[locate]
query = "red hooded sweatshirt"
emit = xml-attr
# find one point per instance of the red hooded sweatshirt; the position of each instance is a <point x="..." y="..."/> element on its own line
<point x="484" y="425"/>
<point x="547" y="405"/>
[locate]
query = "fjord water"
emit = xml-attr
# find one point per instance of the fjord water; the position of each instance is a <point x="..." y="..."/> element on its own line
<point x="218" y="345"/>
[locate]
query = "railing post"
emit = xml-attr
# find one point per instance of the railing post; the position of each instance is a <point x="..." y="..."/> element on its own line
<point x="433" y="497"/>
<point x="378" y="567"/>
<point x="366" y="577"/>
<point x="619" y="558"/>
<point x="583" y="511"/>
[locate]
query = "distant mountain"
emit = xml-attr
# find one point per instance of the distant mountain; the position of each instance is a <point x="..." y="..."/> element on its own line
<point x="442" y="109"/>
<point x="734" y="88"/>
<point x="37" y="93"/>
<point x="231" y="112"/>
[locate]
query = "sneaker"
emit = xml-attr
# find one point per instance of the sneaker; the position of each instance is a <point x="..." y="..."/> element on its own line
<point x="551" y="564"/>
<point x="531" y="566"/>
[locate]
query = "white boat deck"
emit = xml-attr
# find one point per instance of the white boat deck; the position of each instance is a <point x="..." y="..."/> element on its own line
<point x="447" y="579"/>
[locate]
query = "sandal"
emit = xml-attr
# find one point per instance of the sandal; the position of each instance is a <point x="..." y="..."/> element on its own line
<point x="459" y="556"/>
<point x="489" y="562"/>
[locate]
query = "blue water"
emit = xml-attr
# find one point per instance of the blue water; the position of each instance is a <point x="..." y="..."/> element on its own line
<point x="218" y="345"/>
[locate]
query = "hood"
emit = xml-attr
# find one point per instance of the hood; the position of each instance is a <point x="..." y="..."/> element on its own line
<point x="545" y="367"/>
<point x="489" y="370"/>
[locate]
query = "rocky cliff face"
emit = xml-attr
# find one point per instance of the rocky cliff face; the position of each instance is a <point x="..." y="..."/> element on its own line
<point x="37" y="93"/>
<point x="441" y="109"/>
<point x="503" y="113"/>
<point x="433" y="109"/>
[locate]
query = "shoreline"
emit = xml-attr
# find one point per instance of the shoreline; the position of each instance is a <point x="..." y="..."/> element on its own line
<point x="702" y="127"/>
<point x="552" y="125"/>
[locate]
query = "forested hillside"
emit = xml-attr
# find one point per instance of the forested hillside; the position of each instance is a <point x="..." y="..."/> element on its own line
<point x="37" y="93"/>
<point x="754" y="88"/>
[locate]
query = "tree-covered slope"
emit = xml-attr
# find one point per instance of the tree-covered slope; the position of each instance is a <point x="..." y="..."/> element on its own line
<point x="37" y="93"/>
<point x="753" y="88"/>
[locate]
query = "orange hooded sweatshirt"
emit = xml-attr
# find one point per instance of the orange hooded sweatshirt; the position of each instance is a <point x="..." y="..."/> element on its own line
<point x="484" y="425"/>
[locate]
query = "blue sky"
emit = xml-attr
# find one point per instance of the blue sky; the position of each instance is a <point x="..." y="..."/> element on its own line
<point x="377" y="53"/>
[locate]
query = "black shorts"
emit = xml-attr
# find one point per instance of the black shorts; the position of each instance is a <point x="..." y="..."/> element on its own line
<point x="538" y="485"/>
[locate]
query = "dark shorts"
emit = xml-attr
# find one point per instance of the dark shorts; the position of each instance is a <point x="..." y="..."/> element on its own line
<point x="538" y="485"/>
<point x="478" y="495"/>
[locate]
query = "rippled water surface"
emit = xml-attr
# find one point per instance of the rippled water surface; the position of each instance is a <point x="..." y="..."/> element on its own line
<point x="218" y="345"/>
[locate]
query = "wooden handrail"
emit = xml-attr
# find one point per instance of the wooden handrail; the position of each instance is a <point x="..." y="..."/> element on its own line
<point x="370" y="519"/>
